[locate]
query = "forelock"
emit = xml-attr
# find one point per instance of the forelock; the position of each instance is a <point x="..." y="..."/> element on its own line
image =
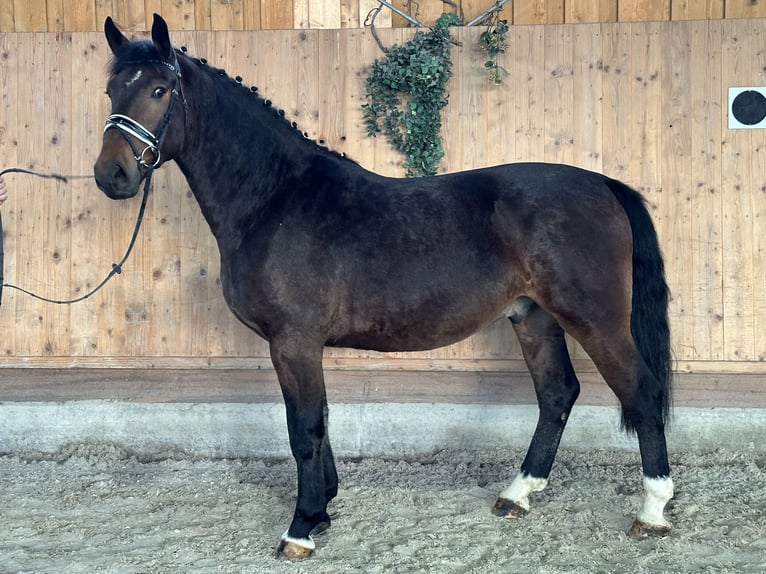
<point x="132" y="54"/>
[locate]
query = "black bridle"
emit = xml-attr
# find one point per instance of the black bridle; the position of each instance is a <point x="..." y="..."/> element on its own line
<point x="128" y="127"/>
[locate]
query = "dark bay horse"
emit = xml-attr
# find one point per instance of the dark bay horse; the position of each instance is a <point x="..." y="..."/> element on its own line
<point x="317" y="251"/>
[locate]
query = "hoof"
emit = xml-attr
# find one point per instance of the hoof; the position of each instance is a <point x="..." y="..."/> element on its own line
<point x="293" y="551"/>
<point x="295" y="548"/>
<point x="508" y="509"/>
<point x="641" y="530"/>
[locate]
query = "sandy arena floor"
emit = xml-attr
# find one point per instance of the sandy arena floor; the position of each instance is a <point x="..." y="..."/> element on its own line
<point x="95" y="508"/>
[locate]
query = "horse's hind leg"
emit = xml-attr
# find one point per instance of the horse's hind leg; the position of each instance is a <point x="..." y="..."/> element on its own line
<point x="640" y="393"/>
<point x="557" y="388"/>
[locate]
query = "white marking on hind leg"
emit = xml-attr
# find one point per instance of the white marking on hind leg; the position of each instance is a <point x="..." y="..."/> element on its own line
<point x="304" y="542"/>
<point x="658" y="491"/>
<point x="521" y="487"/>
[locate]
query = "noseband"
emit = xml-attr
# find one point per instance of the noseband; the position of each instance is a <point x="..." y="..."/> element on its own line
<point x="150" y="156"/>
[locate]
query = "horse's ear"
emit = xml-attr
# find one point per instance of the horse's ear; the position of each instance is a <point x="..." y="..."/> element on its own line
<point x="161" y="38"/>
<point x="114" y="37"/>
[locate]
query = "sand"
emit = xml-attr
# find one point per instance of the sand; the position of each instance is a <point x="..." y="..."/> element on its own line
<point x="97" y="508"/>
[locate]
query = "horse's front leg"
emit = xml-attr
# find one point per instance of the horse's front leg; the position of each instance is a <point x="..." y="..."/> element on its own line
<point x="299" y="369"/>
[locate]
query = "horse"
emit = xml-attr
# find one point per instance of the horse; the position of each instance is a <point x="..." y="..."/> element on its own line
<point x="317" y="251"/>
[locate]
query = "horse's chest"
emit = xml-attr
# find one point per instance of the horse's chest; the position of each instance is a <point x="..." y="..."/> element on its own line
<point x="243" y="296"/>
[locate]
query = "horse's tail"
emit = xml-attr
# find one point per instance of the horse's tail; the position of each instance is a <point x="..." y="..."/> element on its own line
<point x="649" y="316"/>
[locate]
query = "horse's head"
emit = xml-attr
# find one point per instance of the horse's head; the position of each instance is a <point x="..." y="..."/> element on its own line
<point x="145" y="127"/>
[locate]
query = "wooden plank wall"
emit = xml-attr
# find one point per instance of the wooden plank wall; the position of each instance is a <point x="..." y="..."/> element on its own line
<point x="644" y="102"/>
<point x="89" y="15"/>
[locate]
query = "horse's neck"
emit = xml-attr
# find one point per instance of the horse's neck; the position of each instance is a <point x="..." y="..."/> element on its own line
<point x="233" y="169"/>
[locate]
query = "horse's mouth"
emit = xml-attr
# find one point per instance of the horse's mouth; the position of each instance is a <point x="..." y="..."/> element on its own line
<point x="115" y="182"/>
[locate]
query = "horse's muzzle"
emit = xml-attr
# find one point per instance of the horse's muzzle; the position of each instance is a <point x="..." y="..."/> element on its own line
<point x="115" y="179"/>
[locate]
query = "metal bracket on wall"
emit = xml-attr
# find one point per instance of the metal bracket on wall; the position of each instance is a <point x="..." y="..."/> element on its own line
<point x="370" y="21"/>
<point x="496" y="8"/>
<point x="375" y="11"/>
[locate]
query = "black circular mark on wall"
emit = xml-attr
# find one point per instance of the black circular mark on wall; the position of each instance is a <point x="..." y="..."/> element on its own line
<point x="749" y="107"/>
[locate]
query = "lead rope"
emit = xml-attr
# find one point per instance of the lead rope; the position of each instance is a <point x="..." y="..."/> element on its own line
<point x="116" y="267"/>
<point x="126" y="125"/>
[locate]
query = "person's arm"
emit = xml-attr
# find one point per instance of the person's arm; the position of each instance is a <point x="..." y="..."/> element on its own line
<point x="3" y="190"/>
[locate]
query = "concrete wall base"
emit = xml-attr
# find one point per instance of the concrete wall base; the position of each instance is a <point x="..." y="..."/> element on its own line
<point x="387" y="429"/>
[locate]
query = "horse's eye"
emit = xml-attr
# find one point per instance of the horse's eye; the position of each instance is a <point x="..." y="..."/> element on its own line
<point x="158" y="92"/>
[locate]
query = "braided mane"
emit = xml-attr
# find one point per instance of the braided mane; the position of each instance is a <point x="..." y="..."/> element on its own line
<point x="143" y="52"/>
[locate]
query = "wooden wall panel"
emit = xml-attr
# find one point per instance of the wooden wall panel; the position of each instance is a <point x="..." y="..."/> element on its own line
<point x="88" y="261"/>
<point x="230" y="15"/>
<point x="744" y="9"/>
<point x="737" y="207"/>
<point x="277" y="14"/>
<point x="131" y="15"/>
<point x="676" y="196"/>
<point x="9" y="107"/>
<point x="528" y="76"/>
<point x="697" y="9"/>
<point x="31" y="16"/>
<point x="558" y="126"/>
<point x="7" y="22"/>
<point x="704" y="293"/>
<point x="538" y="12"/>
<point x="135" y="15"/>
<point x="588" y="103"/>
<point x="614" y="64"/>
<point x="579" y="11"/>
<point x="83" y="16"/>
<point x="758" y="195"/>
<point x="641" y="11"/>
<point x="644" y="102"/>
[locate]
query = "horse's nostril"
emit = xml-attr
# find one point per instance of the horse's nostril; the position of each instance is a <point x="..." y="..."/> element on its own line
<point x="114" y="179"/>
<point x="119" y="173"/>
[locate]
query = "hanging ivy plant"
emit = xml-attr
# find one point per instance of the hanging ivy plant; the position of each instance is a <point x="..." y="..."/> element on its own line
<point x="406" y="91"/>
<point x="494" y="42"/>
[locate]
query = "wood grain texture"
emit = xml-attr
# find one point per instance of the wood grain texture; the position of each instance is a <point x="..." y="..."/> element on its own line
<point x="697" y="9"/>
<point x="737" y="208"/>
<point x="577" y="11"/>
<point x="136" y="15"/>
<point x="643" y="102"/>
<point x="641" y="11"/>
<point x="347" y="386"/>
<point x="704" y="293"/>
<point x="744" y="9"/>
<point x="675" y="164"/>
